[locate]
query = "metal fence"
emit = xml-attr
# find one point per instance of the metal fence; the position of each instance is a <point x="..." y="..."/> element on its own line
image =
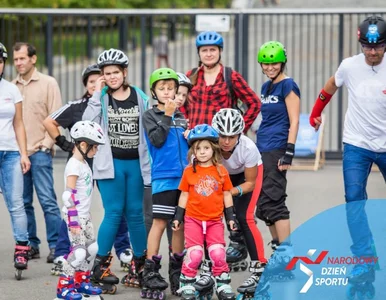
<point x="67" y="40"/>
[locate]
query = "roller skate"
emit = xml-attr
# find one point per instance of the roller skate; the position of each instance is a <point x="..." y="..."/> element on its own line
<point x="66" y="290"/>
<point x="237" y="252"/>
<point x="223" y="288"/>
<point x="83" y="286"/>
<point x="276" y="267"/>
<point x="274" y="244"/>
<point x="175" y="265"/>
<point x="187" y="289"/>
<point x="248" y="287"/>
<point x="57" y="268"/>
<point x="20" y="258"/>
<point x="204" y="286"/>
<point x="153" y="283"/>
<point x="125" y="258"/>
<point x="361" y="282"/>
<point x="101" y="275"/>
<point x="134" y="277"/>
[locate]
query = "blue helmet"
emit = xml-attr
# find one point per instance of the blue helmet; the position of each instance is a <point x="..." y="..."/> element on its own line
<point x="202" y="132"/>
<point x="209" y="38"/>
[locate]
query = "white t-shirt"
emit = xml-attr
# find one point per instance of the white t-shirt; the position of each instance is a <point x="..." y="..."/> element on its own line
<point x="84" y="185"/>
<point x="245" y="155"/>
<point x="365" y="123"/>
<point x="9" y="96"/>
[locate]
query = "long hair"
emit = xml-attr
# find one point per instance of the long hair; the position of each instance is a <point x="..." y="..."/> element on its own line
<point x="216" y="158"/>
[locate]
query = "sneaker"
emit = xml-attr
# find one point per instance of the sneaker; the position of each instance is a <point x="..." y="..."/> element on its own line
<point x="34" y="253"/>
<point x="51" y="256"/>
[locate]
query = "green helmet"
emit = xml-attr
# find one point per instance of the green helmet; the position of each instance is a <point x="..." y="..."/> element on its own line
<point x="272" y="52"/>
<point x="163" y="74"/>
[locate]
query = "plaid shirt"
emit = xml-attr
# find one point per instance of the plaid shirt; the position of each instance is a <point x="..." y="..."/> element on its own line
<point x="205" y="101"/>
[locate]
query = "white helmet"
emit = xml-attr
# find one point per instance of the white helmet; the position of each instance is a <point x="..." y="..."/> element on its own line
<point x="89" y="132"/>
<point x="184" y="80"/>
<point x="113" y="57"/>
<point x="228" y="122"/>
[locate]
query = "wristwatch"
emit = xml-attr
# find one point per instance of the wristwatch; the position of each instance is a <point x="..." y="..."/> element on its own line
<point x="45" y="149"/>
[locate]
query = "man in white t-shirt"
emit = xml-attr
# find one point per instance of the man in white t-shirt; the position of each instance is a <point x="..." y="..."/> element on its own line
<point x="364" y="136"/>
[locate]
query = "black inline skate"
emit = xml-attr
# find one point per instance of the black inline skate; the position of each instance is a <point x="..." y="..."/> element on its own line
<point x="175" y="265"/>
<point x="248" y="287"/>
<point x="236" y="252"/>
<point x="360" y="282"/>
<point x="153" y="283"/>
<point x="134" y="277"/>
<point x="57" y="268"/>
<point x="20" y="258"/>
<point x="205" y="286"/>
<point x="102" y="277"/>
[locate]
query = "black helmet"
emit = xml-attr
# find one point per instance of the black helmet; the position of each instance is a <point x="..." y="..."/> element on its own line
<point x="372" y="31"/>
<point x="91" y="69"/>
<point x="3" y="52"/>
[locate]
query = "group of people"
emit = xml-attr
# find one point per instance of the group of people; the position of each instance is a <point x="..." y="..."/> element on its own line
<point x="191" y="151"/>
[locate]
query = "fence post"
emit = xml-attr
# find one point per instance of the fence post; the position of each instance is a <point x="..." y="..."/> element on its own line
<point x="340" y="91"/>
<point x="123" y="33"/>
<point x="244" y="46"/>
<point x="89" y="37"/>
<point x="49" y="45"/>
<point x="143" y="53"/>
<point x="236" y="38"/>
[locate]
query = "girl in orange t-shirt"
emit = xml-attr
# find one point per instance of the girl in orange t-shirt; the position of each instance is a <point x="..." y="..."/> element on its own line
<point x="205" y="196"/>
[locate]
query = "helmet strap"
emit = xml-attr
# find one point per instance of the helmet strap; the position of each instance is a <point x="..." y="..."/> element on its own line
<point x="84" y="154"/>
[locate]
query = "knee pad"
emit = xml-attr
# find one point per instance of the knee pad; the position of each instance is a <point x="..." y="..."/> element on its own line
<point x="193" y="257"/>
<point x="217" y="255"/>
<point x="77" y="256"/>
<point x="92" y="250"/>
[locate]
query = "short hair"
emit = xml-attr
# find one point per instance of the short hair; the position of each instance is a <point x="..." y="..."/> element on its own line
<point x="31" y="50"/>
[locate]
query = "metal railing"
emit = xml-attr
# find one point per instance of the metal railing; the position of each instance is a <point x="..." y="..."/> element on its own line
<point x="67" y="40"/>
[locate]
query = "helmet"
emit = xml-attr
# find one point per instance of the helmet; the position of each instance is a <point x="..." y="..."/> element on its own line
<point x="3" y="52"/>
<point x="89" y="132"/>
<point x="91" y="69"/>
<point x="113" y="57"/>
<point x="228" y="122"/>
<point x="209" y="38"/>
<point x="163" y="74"/>
<point x="372" y="31"/>
<point x="184" y="80"/>
<point x="202" y="132"/>
<point x="272" y="52"/>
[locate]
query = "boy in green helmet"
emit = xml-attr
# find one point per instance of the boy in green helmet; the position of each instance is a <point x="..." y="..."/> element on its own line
<point x="164" y="127"/>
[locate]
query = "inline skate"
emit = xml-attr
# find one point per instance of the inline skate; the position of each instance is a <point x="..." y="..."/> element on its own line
<point x="154" y="284"/>
<point x="248" y="287"/>
<point x="360" y="282"/>
<point x="236" y="252"/>
<point x="134" y="277"/>
<point x="187" y="289"/>
<point x="101" y="275"/>
<point x="125" y="258"/>
<point x="65" y="289"/>
<point x="204" y="286"/>
<point x="175" y="265"/>
<point x="223" y="288"/>
<point x="57" y="268"/>
<point x="20" y="258"/>
<point x="276" y="267"/>
<point x="83" y="286"/>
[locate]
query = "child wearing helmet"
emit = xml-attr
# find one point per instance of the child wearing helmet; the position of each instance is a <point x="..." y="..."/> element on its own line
<point x="276" y="137"/>
<point x="75" y="278"/>
<point x="164" y="126"/>
<point x="205" y="196"/>
<point x="184" y="88"/>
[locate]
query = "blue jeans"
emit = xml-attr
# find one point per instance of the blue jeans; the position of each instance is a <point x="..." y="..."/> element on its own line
<point x="11" y="184"/>
<point x="357" y="164"/>
<point x="40" y="176"/>
<point x="123" y="195"/>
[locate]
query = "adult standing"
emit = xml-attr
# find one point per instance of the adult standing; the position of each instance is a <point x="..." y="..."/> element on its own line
<point x="121" y="166"/>
<point x="364" y="139"/>
<point x="14" y="161"/>
<point x="41" y="96"/>
<point x="210" y="92"/>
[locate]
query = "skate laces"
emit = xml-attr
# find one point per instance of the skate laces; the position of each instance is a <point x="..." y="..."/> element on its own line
<point x="106" y="267"/>
<point x="254" y="278"/>
<point x="204" y="278"/>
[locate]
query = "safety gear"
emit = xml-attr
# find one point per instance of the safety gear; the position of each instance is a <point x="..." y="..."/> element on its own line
<point x="228" y="122"/>
<point x="287" y="158"/>
<point x="209" y="38"/>
<point x="91" y="69"/>
<point x="272" y="52"/>
<point x="202" y="132"/>
<point x="372" y="31"/>
<point x="319" y="105"/>
<point x="3" y="52"/>
<point x="163" y="74"/>
<point x="89" y="132"/>
<point x="113" y="57"/>
<point x="184" y="81"/>
<point x="65" y="145"/>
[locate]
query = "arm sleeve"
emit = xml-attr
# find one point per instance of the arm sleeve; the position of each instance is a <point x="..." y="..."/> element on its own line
<point x="289" y="86"/>
<point x="227" y="186"/>
<point x="184" y="185"/>
<point x="93" y="111"/>
<point x="63" y="116"/>
<point x="16" y="94"/>
<point x="340" y="75"/>
<point x="72" y="168"/>
<point x="157" y="131"/>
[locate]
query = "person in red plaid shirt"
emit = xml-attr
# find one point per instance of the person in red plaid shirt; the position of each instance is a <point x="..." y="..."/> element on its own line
<point x="210" y="92"/>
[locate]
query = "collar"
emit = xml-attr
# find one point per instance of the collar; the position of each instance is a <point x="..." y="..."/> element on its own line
<point x="35" y="77"/>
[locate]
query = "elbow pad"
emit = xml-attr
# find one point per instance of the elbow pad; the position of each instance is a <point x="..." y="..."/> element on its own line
<point x="68" y="198"/>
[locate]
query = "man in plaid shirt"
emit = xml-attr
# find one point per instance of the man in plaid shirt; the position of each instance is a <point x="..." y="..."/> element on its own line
<point x="210" y="92"/>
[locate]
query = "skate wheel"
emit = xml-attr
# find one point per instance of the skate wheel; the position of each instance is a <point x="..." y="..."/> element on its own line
<point x="142" y="294"/>
<point x="113" y="290"/>
<point x="244" y="268"/>
<point x="161" y="296"/>
<point x="236" y="269"/>
<point x="240" y="297"/>
<point x="18" y="274"/>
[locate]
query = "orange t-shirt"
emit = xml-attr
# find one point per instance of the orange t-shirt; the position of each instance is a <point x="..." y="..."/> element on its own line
<point x="206" y="192"/>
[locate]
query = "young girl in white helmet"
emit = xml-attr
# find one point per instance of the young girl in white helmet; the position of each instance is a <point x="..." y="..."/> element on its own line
<point x="75" y="278"/>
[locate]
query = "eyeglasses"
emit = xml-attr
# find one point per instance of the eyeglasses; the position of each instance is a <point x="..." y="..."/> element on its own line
<point x="369" y="47"/>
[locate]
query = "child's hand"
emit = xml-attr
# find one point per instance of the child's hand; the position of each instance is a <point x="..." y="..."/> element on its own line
<point x="175" y="225"/>
<point x="100" y="83"/>
<point x="170" y="107"/>
<point x="232" y="225"/>
<point x="186" y="133"/>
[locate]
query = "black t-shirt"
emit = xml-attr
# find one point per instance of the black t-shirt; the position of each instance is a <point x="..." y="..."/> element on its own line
<point x="69" y="114"/>
<point x="124" y="126"/>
